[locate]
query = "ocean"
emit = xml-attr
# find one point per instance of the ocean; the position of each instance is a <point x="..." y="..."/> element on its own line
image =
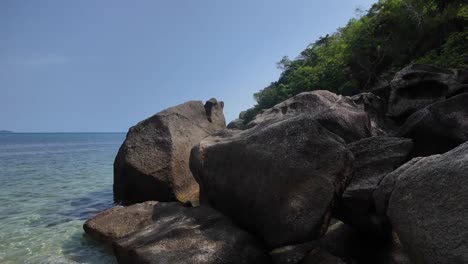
<point x="50" y="183"/>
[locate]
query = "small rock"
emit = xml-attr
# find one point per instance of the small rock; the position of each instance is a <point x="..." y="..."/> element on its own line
<point x="119" y="221"/>
<point x="236" y="124"/>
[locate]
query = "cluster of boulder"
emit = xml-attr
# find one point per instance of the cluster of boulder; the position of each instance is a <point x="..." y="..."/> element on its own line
<point x="380" y="177"/>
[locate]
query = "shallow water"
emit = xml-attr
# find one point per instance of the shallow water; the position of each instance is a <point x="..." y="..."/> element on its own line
<point x="49" y="185"/>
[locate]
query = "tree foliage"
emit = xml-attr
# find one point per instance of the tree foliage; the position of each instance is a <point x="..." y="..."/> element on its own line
<point x="372" y="47"/>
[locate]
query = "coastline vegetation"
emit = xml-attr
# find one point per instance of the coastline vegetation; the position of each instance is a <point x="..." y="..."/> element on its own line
<point x="372" y="47"/>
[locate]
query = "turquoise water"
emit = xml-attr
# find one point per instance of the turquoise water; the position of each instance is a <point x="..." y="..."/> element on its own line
<point x="49" y="185"/>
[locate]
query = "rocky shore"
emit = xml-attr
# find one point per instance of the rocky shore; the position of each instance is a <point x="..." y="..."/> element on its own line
<point x="379" y="177"/>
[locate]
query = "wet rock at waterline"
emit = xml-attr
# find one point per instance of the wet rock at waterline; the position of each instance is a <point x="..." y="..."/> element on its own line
<point x="120" y="221"/>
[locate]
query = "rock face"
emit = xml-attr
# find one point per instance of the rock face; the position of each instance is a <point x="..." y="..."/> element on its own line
<point x="152" y="163"/>
<point x="376" y="109"/>
<point x="189" y="235"/>
<point x="269" y="188"/>
<point x="236" y="124"/>
<point x="374" y="158"/>
<point x="439" y="127"/>
<point x="119" y="221"/>
<point x="384" y="191"/>
<point x="339" y="114"/>
<point x="418" y="86"/>
<point x="426" y="203"/>
<point x="320" y="256"/>
<point x="347" y="243"/>
<point x="277" y="180"/>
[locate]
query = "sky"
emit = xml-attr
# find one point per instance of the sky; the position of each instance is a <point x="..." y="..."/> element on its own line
<point x="102" y="66"/>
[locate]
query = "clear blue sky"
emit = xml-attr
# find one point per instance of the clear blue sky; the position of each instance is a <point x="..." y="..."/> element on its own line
<point x="105" y="65"/>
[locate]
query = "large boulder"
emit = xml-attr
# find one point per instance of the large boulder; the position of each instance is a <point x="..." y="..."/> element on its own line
<point x="418" y="86"/>
<point x="152" y="163"/>
<point x="374" y="157"/>
<point x="120" y="221"/>
<point x="426" y="202"/>
<point x="383" y="192"/>
<point x="180" y="235"/>
<point x="278" y="180"/>
<point x="339" y="114"/>
<point x="439" y="127"/>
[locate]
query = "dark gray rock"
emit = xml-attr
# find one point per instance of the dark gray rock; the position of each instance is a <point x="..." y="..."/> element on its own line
<point x="152" y="163"/>
<point x="426" y="202"/>
<point x="374" y="158"/>
<point x="339" y="114"/>
<point x="242" y="115"/>
<point x="376" y="109"/>
<point x="120" y="221"/>
<point x="277" y="180"/>
<point x="439" y="127"/>
<point x="383" y="192"/>
<point x="462" y="76"/>
<point x="320" y="256"/>
<point x="383" y="91"/>
<point x="180" y="235"/>
<point x="350" y="245"/>
<point x="236" y="124"/>
<point x="292" y="254"/>
<point x="418" y="86"/>
<point x="353" y="246"/>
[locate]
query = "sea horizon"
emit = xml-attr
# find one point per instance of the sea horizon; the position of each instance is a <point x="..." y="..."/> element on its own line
<point x="50" y="183"/>
<point x="58" y="132"/>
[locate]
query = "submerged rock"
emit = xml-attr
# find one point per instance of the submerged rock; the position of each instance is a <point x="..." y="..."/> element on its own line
<point x="278" y="180"/>
<point x="439" y="127"/>
<point x="152" y="163"/>
<point x="189" y="235"/>
<point x="426" y="202"/>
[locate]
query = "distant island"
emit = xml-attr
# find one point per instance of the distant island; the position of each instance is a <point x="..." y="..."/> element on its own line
<point x="5" y="131"/>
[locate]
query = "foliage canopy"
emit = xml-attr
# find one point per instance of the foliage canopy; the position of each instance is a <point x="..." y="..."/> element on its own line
<point x="372" y="47"/>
